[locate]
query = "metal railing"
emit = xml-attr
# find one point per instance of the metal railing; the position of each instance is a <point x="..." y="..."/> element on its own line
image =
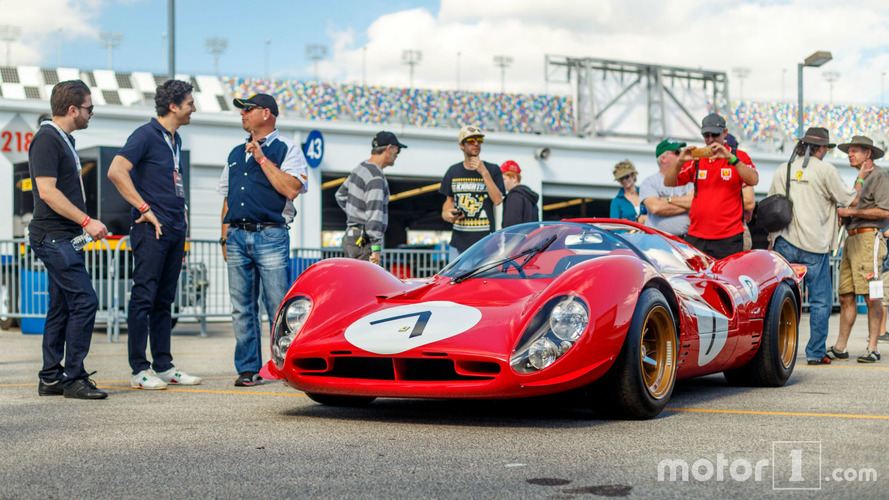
<point x="202" y="292"/>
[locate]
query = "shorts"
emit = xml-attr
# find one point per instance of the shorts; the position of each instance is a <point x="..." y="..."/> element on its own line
<point x="858" y="263"/>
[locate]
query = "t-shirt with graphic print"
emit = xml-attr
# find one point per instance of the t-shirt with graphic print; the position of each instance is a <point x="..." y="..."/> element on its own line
<point x="470" y="194"/>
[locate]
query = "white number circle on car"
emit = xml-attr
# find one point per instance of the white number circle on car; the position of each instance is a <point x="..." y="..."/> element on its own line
<point x="402" y="328"/>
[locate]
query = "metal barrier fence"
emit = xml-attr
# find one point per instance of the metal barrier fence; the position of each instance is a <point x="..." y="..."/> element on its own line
<point x="202" y="292"/>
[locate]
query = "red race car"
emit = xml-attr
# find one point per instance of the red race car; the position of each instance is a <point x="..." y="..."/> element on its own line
<point x="613" y="308"/>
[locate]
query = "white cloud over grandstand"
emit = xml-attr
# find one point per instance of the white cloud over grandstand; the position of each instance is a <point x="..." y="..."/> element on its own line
<point x="44" y="23"/>
<point x="768" y="37"/>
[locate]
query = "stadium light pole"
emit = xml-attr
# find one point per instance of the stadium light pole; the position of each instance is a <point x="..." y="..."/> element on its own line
<point x="742" y="73"/>
<point x="813" y="61"/>
<point x="9" y="33"/>
<point x="110" y="40"/>
<point x="364" y="65"/>
<point x="882" y="77"/>
<point x="316" y="52"/>
<point x="411" y="58"/>
<point x="831" y="77"/>
<point x="503" y="62"/>
<point x="268" y="48"/>
<point x="59" y="30"/>
<point x="216" y="45"/>
<point x="458" y="69"/>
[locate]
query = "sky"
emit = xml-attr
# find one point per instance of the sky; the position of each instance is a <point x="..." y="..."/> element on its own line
<point x="458" y="40"/>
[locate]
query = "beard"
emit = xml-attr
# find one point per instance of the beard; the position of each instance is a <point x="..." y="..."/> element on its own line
<point x="81" y="123"/>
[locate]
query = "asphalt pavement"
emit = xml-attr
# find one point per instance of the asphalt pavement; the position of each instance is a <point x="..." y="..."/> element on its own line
<point x="823" y="435"/>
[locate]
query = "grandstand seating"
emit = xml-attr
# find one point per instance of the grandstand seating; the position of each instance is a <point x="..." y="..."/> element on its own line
<point x="757" y="122"/>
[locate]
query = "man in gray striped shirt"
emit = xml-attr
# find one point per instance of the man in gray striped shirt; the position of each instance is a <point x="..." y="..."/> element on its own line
<point x="365" y="199"/>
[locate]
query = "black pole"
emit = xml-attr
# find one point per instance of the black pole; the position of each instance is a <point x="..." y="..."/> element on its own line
<point x="171" y="40"/>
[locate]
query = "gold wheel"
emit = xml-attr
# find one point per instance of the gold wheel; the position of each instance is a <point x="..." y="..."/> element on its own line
<point x="657" y="354"/>
<point x="787" y="329"/>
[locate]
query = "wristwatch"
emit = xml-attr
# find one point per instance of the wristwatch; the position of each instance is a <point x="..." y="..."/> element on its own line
<point x="669" y="199"/>
<point x="222" y="241"/>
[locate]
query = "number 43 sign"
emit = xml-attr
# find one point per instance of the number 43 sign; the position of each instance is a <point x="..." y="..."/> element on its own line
<point x="314" y="148"/>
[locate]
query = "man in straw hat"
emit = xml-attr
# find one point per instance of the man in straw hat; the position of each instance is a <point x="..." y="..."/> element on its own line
<point x="864" y="249"/>
<point x="816" y="188"/>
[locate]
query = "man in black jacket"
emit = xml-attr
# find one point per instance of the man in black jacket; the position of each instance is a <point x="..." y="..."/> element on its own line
<point x="520" y="204"/>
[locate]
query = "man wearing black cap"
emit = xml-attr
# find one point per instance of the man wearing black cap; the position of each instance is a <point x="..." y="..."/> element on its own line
<point x="717" y="209"/>
<point x="816" y="188"/>
<point x="146" y="171"/>
<point x="365" y="199"/>
<point x="259" y="182"/>
<point x="864" y="247"/>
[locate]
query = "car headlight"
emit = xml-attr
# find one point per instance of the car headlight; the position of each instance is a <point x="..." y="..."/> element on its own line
<point x="551" y="333"/>
<point x="291" y="318"/>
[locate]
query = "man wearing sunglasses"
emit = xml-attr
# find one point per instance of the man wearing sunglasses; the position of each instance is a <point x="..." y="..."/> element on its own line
<point x="260" y="180"/>
<point x="717" y="208"/>
<point x="60" y="215"/>
<point x="471" y="188"/>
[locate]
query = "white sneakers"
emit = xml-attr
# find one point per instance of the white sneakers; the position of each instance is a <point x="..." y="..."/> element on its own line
<point x="148" y="379"/>
<point x="176" y="376"/>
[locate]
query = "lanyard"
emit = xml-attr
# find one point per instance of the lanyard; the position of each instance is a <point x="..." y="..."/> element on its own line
<point x="71" y="147"/>
<point x="175" y="152"/>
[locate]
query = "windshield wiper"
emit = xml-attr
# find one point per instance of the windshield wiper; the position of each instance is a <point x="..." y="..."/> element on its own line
<point x="530" y="253"/>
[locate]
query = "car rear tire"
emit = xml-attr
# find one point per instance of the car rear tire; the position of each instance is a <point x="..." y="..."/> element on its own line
<point x="346" y="401"/>
<point x="641" y="381"/>
<point x="773" y="363"/>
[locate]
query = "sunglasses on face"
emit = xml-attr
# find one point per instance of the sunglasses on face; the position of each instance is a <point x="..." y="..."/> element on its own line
<point x="89" y="109"/>
<point x="474" y="140"/>
<point x="248" y="109"/>
<point x="708" y="135"/>
<point x="625" y="177"/>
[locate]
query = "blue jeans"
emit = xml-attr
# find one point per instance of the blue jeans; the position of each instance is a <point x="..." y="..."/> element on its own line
<point x="71" y="312"/>
<point x="255" y="258"/>
<point x="818" y="283"/>
<point x="156" y="267"/>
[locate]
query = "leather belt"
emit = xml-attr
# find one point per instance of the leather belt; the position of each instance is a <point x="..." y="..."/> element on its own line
<point x="850" y="232"/>
<point x="257" y="226"/>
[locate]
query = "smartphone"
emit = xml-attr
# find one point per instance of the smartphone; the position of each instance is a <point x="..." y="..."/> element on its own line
<point x="458" y="212"/>
<point x="701" y="152"/>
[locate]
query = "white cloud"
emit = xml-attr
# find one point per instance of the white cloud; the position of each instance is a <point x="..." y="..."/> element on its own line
<point x="40" y="22"/>
<point x="766" y="36"/>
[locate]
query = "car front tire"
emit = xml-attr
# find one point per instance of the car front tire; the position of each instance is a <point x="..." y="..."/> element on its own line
<point x="641" y="381"/>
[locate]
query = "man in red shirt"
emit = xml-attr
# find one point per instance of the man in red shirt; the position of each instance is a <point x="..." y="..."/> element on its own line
<point x="717" y="209"/>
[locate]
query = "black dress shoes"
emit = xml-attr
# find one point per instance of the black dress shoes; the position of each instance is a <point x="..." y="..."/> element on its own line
<point x="84" y="388"/>
<point x="50" y="388"/>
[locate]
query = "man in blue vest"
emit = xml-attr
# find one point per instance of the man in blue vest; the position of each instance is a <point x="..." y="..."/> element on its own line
<point x="259" y="182"/>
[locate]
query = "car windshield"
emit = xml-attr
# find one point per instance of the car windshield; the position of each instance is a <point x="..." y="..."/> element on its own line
<point x="535" y="250"/>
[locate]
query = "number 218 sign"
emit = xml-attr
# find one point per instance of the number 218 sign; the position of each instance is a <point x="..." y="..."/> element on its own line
<point x="15" y="139"/>
<point x="314" y="148"/>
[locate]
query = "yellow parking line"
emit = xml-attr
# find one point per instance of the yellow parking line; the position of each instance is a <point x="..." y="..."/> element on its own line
<point x="208" y="391"/>
<point x="780" y="413"/>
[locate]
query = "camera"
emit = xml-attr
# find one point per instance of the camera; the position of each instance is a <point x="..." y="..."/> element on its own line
<point x="701" y="152"/>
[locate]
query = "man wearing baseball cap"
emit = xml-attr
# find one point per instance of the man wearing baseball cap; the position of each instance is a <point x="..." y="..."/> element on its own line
<point x="864" y="248"/>
<point x="260" y="180"/>
<point x="716" y="225"/>
<point x="520" y="203"/>
<point x="816" y="188"/>
<point x="471" y="188"/>
<point x="364" y="196"/>
<point x="667" y="206"/>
